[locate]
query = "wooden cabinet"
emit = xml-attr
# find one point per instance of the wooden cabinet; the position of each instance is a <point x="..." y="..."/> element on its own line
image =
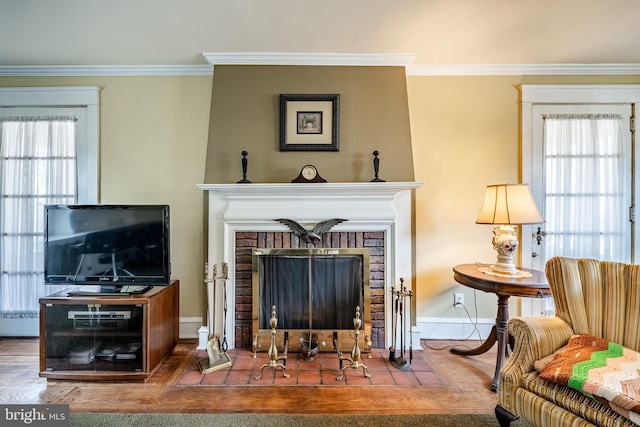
<point x="108" y="338"/>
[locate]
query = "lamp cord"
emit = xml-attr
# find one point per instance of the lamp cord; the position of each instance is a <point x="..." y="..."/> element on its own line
<point x="473" y="322"/>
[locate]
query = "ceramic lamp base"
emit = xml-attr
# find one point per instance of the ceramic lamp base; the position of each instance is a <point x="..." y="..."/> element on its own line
<point x="505" y="242"/>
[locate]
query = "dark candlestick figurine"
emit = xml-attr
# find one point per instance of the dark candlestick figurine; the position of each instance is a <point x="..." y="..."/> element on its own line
<point x="376" y="167"/>
<point x="244" y="179"/>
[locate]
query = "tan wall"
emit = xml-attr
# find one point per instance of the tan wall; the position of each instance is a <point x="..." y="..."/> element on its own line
<point x="245" y="116"/>
<point x="464" y="135"/>
<point x="153" y="136"/>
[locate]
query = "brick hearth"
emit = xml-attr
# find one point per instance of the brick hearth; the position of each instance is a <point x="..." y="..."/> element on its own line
<point x="246" y="241"/>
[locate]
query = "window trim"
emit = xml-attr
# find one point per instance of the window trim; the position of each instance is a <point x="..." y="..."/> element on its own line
<point x="88" y="135"/>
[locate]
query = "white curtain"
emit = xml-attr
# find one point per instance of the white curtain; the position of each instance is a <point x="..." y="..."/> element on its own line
<point x="37" y="167"/>
<point x="587" y="187"/>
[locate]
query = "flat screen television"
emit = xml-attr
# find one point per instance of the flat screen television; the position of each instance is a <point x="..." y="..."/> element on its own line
<point x="119" y="248"/>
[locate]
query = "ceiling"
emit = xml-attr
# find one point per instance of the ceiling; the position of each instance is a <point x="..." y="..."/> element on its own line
<point x="434" y="32"/>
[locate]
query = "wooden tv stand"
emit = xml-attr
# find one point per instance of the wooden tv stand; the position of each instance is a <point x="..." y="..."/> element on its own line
<point x="108" y="338"/>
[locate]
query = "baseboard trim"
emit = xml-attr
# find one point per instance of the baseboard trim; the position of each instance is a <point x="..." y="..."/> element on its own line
<point x="189" y="327"/>
<point x="20" y="327"/>
<point x="444" y="328"/>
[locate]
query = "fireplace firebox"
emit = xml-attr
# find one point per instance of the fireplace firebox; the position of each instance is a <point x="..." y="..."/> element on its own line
<point x="315" y="292"/>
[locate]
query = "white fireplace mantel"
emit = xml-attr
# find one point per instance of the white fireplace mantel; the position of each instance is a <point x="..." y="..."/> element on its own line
<point x="367" y="206"/>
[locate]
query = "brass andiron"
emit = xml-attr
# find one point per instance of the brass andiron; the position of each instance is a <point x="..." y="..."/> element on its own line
<point x="354" y="361"/>
<point x="273" y="350"/>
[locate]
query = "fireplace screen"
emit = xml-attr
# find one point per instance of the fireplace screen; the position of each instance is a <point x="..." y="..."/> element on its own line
<point x="314" y="290"/>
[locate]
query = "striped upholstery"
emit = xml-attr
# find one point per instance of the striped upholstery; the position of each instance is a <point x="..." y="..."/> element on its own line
<point x="591" y="297"/>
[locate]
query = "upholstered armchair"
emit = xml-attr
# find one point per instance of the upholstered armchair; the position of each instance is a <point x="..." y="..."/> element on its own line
<point x="598" y="298"/>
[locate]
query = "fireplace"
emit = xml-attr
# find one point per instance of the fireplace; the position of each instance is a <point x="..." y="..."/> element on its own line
<point x="242" y="217"/>
<point x="315" y="292"/>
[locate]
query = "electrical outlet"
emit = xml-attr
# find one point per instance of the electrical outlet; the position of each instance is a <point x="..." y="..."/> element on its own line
<point x="458" y="300"/>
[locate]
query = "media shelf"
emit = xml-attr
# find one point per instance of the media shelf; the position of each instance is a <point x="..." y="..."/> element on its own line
<point x="108" y="338"/>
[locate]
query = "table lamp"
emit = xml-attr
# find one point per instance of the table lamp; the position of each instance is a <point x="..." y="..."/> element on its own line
<point x="507" y="206"/>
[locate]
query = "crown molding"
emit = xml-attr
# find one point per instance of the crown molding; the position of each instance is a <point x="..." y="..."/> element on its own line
<point x="107" y="70"/>
<point x="520" y="69"/>
<point x="301" y="58"/>
<point x="329" y="59"/>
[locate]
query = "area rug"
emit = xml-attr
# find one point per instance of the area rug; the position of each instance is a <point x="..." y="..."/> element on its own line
<point x="263" y="420"/>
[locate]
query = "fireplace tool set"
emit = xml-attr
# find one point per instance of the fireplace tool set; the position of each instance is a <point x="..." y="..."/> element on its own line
<point x="216" y="359"/>
<point x="400" y="298"/>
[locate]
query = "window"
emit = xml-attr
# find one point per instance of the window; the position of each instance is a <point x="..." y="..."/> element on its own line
<point x="586" y="193"/>
<point x="47" y="155"/>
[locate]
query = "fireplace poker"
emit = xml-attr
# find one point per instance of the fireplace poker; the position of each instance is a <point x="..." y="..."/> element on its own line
<point x="394" y="321"/>
<point x="211" y="297"/>
<point x="410" y="328"/>
<point x="224" y="277"/>
<point x="401" y="362"/>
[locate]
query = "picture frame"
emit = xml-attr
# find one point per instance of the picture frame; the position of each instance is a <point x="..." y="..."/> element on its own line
<point x="309" y="122"/>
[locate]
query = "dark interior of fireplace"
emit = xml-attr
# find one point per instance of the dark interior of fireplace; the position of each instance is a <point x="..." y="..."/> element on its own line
<point x="315" y="292"/>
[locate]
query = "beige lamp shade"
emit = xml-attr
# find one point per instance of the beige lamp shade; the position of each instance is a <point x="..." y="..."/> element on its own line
<point x="509" y="204"/>
<point x="506" y="206"/>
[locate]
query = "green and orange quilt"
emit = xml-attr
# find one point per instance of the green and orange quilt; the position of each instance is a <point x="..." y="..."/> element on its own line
<point x="601" y="369"/>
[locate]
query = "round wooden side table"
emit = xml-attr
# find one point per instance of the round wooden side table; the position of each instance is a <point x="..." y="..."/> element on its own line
<point x="504" y="287"/>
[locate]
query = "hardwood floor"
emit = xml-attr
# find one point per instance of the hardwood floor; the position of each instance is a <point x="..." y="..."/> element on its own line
<point x="466" y="389"/>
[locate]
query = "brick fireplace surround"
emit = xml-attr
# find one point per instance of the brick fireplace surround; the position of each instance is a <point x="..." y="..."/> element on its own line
<point x="246" y="241"/>
<point x="242" y="216"/>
